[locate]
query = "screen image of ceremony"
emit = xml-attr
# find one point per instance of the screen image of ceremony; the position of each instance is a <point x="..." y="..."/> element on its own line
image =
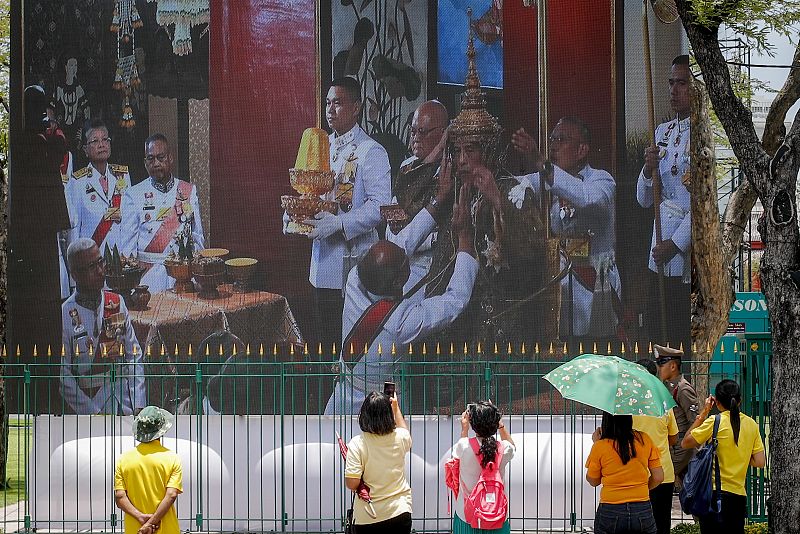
<point x="297" y="208"/>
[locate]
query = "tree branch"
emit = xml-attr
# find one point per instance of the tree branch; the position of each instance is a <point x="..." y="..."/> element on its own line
<point x="785" y="99"/>
<point x="734" y="116"/>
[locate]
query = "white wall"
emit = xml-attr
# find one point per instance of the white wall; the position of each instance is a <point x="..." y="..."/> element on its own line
<point x="236" y="471"/>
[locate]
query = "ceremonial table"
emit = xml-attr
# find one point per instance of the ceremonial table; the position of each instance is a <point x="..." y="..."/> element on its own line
<point x="186" y="319"/>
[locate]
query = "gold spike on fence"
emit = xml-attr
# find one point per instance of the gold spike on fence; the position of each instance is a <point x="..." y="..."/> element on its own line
<point x="510" y="350"/>
<point x="522" y="349"/>
<point x="536" y="348"/>
<point x="19" y="353"/>
<point x="247" y="350"/>
<point x="394" y="349"/>
<point x="636" y="348"/>
<point x="305" y="349"/>
<point x="466" y="350"/>
<point x="5" y="354"/>
<point x="410" y="349"/>
<point x="650" y="348"/>
<point x="234" y="349"/>
<point x="380" y="349"/>
<point x="609" y="348"/>
<point x="319" y="349"/>
<point x="35" y="352"/>
<point x="622" y="348"/>
<point x="438" y="349"/>
<point x="565" y="352"/>
<point x="189" y="350"/>
<point x="424" y="349"/>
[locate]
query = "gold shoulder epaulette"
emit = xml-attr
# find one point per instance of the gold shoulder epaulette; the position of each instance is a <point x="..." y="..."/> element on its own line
<point x="86" y="171"/>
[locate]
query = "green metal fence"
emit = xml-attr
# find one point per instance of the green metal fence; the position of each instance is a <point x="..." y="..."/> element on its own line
<point x="270" y="462"/>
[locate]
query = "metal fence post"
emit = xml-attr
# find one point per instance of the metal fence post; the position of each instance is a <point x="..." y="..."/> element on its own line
<point x="198" y="380"/>
<point x="26" y="395"/>
<point x="284" y="517"/>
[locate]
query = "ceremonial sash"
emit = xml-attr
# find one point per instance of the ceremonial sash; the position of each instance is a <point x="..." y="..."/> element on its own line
<point x="166" y="231"/>
<point x="104" y="226"/>
<point x="111" y="308"/>
<point x="367" y="328"/>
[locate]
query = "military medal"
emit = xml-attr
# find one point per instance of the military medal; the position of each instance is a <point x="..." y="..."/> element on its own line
<point x="674" y="169"/>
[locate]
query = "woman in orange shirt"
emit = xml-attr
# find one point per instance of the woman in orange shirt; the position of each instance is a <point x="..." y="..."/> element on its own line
<point x="628" y="465"/>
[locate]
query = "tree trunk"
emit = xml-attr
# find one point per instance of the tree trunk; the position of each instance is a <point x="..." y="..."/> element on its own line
<point x="768" y="176"/>
<point x="711" y="284"/>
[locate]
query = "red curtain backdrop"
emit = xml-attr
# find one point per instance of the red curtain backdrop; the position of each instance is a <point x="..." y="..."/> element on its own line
<point x="581" y="78"/>
<point x="262" y="98"/>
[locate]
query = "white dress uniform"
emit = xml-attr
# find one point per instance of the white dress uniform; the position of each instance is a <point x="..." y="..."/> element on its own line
<point x="90" y="206"/>
<point x="419" y="259"/>
<point x="66" y="282"/>
<point x="412" y="320"/>
<point x="363" y="185"/>
<point x="584" y="207"/>
<point x="144" y="209"/>
<point x="676" y="215"/>
<point x="86" y="386"/>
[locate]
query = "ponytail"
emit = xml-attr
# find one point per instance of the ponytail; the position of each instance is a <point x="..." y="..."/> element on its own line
<point x="488" y="450"/>
<point x="735" y="421"/>
<point x="729" y="395"/>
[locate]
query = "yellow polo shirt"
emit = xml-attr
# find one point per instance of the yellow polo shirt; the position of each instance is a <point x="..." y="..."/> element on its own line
<point x="145" y="473"/>
<point x="659" y="429"/>
<point x="733" y="459"/>
<point x="381" y="462"/>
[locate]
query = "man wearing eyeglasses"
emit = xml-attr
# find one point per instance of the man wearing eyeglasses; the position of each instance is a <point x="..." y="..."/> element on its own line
<point x="98" y="338"/>
<point x="157" y="210"/>
<point x="582" y="214"/>
<point x="95" y="195"/>
<point x="416" y="183"/>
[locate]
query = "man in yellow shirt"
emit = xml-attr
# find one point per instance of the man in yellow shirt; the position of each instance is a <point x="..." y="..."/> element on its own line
<point x="664" y="433"/>
<point x="148" y="479"/>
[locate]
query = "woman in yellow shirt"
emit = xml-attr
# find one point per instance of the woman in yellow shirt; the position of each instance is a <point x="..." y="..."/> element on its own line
<point x="378" y="457"/>
<point x="628" y="465"/>
<point x="739" y="447"/>
<point x="664" y="433"/>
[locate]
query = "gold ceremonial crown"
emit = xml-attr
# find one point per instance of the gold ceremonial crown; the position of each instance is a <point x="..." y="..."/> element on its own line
<point x="474" y="123"/>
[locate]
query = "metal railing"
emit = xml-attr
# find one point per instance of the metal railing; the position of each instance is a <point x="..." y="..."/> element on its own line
<point x="270" y="461"/>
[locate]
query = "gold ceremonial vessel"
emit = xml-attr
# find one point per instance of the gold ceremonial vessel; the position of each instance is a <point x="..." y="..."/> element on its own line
<point x="208" y="272"/>
<point x="214" y="252"/>
<point x="122" y="274"/>
<point x="241" y="271"/>
<point x="312" y="178"/>
<point x="182" y="273"/>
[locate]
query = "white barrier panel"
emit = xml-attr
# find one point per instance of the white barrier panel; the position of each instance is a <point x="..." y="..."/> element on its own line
<point x="232" y="476"/>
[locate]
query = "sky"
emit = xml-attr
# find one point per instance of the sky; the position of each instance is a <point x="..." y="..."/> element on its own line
<point x="783" y="54"/>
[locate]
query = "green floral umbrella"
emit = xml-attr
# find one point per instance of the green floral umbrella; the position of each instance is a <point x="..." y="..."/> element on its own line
<point x="611" y="384"/>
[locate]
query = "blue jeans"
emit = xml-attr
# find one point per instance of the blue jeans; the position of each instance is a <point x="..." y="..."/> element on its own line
<point x="626" y="518"/>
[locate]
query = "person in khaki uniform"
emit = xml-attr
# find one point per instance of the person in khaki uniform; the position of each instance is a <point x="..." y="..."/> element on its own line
<point x="669" y="371"/>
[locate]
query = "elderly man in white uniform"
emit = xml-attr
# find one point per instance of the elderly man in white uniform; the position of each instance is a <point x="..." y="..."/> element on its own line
<point x="363" y="184"/>
<point x="155" y="210"/>
<point x="670" y="156"/>
<point x="98" y="338"/>
<point x="94" y="196"/>
<point x="377" y="316"/>
<point x="415" y="185"/>
<point x="582" y="215"/>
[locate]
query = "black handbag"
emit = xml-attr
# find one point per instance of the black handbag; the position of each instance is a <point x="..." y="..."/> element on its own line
<point x="349" y="526"/>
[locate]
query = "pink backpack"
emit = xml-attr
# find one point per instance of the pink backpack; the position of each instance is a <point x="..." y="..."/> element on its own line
<point x="486" y="506"/>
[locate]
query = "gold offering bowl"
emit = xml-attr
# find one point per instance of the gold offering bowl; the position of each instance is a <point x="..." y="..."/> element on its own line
<point x="241" y="270"/>
<point x="214" y="252"/>
<point x="182" y="273"/>
<point x="208" y="285"/>
<point x="125" y="282"/>
<point x="300" y="209"/>
<point x="310" y="182"/>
